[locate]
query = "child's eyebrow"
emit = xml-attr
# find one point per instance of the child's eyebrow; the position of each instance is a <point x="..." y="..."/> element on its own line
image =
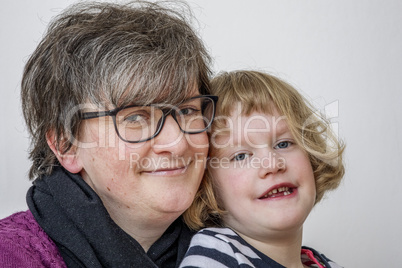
<point x="217" y="153"/>
<point x="282" y="128"/>
<point x="279" y="125"/>
<point x="276" y="128"/>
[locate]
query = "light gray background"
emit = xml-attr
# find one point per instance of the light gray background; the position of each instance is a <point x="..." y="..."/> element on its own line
<point x="344" y="55"/>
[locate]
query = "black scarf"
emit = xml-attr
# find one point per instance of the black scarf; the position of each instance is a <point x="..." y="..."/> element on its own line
<point x="73" y="216"/>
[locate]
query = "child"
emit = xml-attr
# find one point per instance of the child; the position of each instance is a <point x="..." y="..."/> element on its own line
<point x="271" y="160"/>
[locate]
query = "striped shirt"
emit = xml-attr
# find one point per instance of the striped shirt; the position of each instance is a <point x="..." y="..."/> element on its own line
<point x="222" y="248"/>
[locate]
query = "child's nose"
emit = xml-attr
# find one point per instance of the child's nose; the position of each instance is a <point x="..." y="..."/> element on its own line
<point x="271" y="163"/>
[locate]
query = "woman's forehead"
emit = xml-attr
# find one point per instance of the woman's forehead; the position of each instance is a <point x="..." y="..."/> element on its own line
<point x="168" y="95"/>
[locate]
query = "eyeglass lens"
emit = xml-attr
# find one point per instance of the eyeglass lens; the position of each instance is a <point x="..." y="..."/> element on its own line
<point x="142" y="122"/>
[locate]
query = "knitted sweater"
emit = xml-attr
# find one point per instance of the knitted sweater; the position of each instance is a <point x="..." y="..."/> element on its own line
<point x="23" y="243"/>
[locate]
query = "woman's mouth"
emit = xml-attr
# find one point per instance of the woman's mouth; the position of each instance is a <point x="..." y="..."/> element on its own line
<point x="167" y="171"/>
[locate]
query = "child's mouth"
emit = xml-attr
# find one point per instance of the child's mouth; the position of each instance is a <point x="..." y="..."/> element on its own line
<point x="278" y="192"/>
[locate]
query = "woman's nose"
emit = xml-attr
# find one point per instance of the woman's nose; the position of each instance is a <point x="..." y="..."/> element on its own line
<point x="170" y="139"/>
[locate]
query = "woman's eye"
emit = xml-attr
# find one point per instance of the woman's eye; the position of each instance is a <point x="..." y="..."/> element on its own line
<point x="241" y="156"/>
<point x="188" y="111"/>
<point x="135" y="118"/>
<point x="283" y="145"/>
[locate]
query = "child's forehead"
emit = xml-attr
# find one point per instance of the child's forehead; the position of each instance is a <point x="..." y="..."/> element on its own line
<point x="272" y="121"/>
<point x="240" y="129"/>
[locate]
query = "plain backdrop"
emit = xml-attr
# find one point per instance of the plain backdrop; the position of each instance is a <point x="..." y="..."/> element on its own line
<point x="345" y="56"/>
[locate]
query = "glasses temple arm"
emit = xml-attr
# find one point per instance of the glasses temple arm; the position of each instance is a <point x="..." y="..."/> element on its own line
<point x="90" y="115"/>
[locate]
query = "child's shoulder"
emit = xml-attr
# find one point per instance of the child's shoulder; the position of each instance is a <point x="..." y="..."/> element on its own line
<point x="214" y="236"/>
<point x="223" y="247"/>
<point x="226" y="242"/>
<point x="212" y="231"/>
<point x="314" y="258"/>
<point x="220" y="236"/>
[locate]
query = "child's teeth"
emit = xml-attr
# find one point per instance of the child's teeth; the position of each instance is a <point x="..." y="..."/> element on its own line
<point x="284" y="190"/>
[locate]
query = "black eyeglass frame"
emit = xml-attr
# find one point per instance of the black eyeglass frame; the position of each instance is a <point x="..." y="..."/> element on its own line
<point x="165" y="112"/>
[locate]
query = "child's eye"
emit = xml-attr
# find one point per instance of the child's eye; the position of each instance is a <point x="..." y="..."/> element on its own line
<point x="283" y="145"/>
<point x="241" y="156"/>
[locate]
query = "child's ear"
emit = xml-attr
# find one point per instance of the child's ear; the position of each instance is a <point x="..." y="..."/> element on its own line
<point x="69" y="160"/>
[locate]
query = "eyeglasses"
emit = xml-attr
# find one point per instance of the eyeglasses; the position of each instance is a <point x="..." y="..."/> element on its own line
<point x="137" y="123"/>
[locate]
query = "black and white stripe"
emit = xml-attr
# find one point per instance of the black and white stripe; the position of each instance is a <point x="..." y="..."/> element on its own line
<point x="223" y="248"/>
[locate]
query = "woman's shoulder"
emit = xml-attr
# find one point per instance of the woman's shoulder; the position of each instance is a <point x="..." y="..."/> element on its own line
<point x="23" y="243"/>
<point x="21" y="228"/>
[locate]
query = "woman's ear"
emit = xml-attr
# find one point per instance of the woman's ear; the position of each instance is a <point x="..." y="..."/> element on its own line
<point x="69" y="160"/>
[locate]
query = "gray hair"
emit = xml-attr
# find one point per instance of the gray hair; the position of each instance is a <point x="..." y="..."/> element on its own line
<point x="108" y="55"/>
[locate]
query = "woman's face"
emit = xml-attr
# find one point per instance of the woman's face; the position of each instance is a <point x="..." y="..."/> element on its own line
<point x="153" y="181"/>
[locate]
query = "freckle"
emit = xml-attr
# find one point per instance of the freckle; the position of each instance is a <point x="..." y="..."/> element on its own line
<point x="128" y="206"/>
<point x="93" y="159"/>
<point x="108" y="189"/>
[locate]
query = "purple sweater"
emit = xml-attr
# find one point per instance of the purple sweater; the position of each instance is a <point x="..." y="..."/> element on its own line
<point x="23" y="243"/>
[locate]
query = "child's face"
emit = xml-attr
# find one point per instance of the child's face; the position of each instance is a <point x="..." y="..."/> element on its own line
<point x="264" y="180"/>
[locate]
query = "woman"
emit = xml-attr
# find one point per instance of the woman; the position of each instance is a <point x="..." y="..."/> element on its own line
<point x="115" y="100"/>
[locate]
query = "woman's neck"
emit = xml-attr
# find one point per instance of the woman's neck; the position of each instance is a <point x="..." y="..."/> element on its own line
<point x="145" y="229"/>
